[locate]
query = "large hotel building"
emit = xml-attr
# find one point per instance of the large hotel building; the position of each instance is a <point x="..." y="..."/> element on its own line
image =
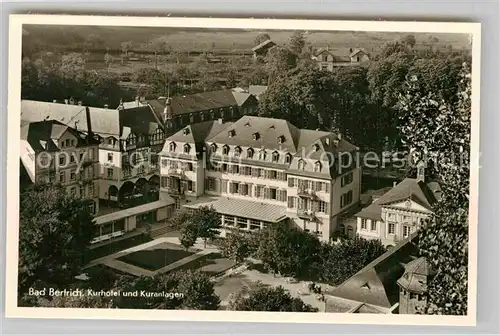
<point x="260" y="171"/>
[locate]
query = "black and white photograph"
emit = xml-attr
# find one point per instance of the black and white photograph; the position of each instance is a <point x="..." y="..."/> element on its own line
<point x="312" y="170"/>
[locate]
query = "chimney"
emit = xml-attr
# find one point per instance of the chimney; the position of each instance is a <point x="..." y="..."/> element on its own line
<point x="327" y="141"/>
<point x="79" y="103"/>
<point x="137" y="100"/>
<point x="54" y="101"/>
<point x="350" y="50"/>
<point x="167" y="111"/>
<point x="327" y="48"/>
<point x="220" y="121"/>
<point x="394" y="183"/>
<point x="89" y="123"/>
<point x="72" y="101"/>
<point x="106" y="106"/>
<point x="339" y="136"/>
<point x="66" y="101"/>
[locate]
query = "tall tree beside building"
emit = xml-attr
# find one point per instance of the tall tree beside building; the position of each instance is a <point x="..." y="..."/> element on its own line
<point x="237" y="246"/>
<point x="438" y="130"/>
<point x="208" y="223"/>
<point x="278" y="62"/>
<point x="54" y="233"/>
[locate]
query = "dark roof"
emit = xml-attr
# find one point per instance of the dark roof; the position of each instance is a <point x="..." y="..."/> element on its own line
<point x="356" y="51"/>
<point x="266" y="43"/>
<point x="376" y="283"/>
<point x="422" y="193"/>
<point x="416" y="275"/>
<point x="105" y="122"/>
<point x="43" y="135"/>
<point x="198" y="102"/>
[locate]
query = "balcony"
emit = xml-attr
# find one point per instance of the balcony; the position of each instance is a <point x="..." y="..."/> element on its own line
<point x="304" y="193"/>
<point x="306" y="215"/>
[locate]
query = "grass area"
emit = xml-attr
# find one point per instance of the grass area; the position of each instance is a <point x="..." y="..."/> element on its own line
<point x="157" y="257"/>
<point x="211" y="264"/>
<point x="184" y="39"/>
<point x="120" y="245"/>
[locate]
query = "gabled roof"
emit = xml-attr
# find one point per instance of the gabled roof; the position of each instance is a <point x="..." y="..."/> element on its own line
<point x="322" y="50"/>
<point x="257" y="90"/>
<point x="43" y="135"/>
<point x="198" y="132"/>
<point x="267" y="43"/>
<point x="105" y="122"/>
<point x="416" y="275"/>
<point x="422" y="193"/>
<point x="357" y="51"/>
<point x="376" y="283"/>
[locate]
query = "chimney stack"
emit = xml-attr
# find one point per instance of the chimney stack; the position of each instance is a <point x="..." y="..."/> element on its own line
<point x="66" y="101"/>
<point x="54" y="101"/>
<point x="350" y="50"/>
<point x="394" y="183"/>
<point x="89" y="123"/>
<point x="339" y="136"/>
<point x="106" y="106"/>
<point x="79" y="103"/>
<point x="220" y="121"/>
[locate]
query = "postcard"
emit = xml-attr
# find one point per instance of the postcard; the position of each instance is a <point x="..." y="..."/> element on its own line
<point x="262" y="170"/>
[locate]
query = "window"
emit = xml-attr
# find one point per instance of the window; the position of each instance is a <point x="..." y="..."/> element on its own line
<point x="316" y="147"/>
<point x="191" y="118"/>
<point x="255" y="136"/>
<point x="273" y="193"/>
<point x="272" y="174"/>
<point x="62" y="177"/>
<point x="250" y="153"/>
<point x="71" y="158"/>
<point x="224" y="167"/>
<point x="317" y="167"/>
<point x="72" y="175"/>
<point x="262" y="173"/>
<point x="188" y="166"/>
<point x="374" y="225"/>
<point x="301" y="164"/>
<point x="291" y="202"/>
<point x="322" y="207"/>
<point x="187" y="148"/>
<point x="72" y="191"/>
<point x="225" y="150"/>
<point x="281" y="139"/>
<point x="210" y="184"/>
<point x="91" y="190"/>
<point x="202" y="117"/>
<point x="237" y="152"/>
<point x="213" y="147"/>
<point x="110" y="157"/>
<point x="61" y="160"/>
<point x="288" y="158"/>
<point x="172" y="146"/>
<point x="346" y="199"/>
<point x="391" y="228"/>
<point x="346" y="179"/>
<point x="406" y="231"/>
<point x="342" y="229"/>
<point x="110" y="173"/>
<point x="262" y="155"/>
<point x="241" y="223"/>
<point x="363" y="224"/>
<point x="190" y="186"/>
<point x="259" y="191"/>
<point x="275" y="157"/>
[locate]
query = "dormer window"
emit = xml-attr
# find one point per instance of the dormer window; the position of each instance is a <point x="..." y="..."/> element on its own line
<point x="247" y="124"/>
<point x="231" y="133"/>
<point x="172" y="146"/>
<point x="281" y="139"/>
<point x="187" y="148"/>
<point x="327" y="141"/>
<point x="317" y="167"/>
<point x="301" y="164"/>
<point x="256" y="136"/>
<point x="185" y="131"/>
<point x="262" y="155"/>
<point x="191" y="118"/>
<point x="275" y="157"/>
<point x="288" y="158"/>
<point x="212" y="114"/>
<point x="214" y="147"/>
<point x="202" y="117"/>
<point x="316" y="147"/>
<point x="237" y="152"/>
<point x="250" y="153"/>
<point x="225" y="150"/>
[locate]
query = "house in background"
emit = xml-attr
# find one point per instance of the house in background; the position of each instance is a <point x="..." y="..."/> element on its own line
<point x="413" y="286"/>
<point x="325" y="59"/>
<point x="358" y="55"/>
<point x="179" y="111"/>
<point x="397" y="213"/>
<point x="260" y="171"/>
<point x="260" y="51"/>
<point x="54" y="153"/>
<point x="257" y="90"/>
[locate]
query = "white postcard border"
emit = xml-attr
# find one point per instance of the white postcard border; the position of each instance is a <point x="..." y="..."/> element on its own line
<point x="12" y="220"/>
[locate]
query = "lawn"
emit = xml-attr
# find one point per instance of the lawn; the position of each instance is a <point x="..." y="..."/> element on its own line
<point x="211" y="264"/>
<point x="157" y="256"/>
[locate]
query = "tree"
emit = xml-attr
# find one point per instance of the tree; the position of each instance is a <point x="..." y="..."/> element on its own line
<point x="409" y="40"/>
<point x="157" y="47"/>
<point x="341" y="261"/>
<point x="261" y="38"/>
<point x="85" y="301"/>
<point x="287" y="250"/>
<point x="208" y="222"/>
<point x="72" y="66"/>
<point x="237" y="246"/>
<point x="269" y="299"/>
<point x="189" y="233"/>
<point x="184" y="289"/>
<point x="108" y="59"/>
<point x="55" y="231"/>
<point x="438" y="130"/>
<point x="278" y="61"/>
<point x="126" y="46"/>
<point x="297" y="42"/>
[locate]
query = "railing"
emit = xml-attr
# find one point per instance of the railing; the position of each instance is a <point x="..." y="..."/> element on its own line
<point x="306" y="214"/>
<point x="306" y="193"/>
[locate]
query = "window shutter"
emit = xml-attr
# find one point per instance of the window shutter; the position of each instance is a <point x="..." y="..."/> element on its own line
<point x="290" y="182"/>
<point x="266" y="193"/>
<point x="290" y="202"/>
<point x="284" y="195"/>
